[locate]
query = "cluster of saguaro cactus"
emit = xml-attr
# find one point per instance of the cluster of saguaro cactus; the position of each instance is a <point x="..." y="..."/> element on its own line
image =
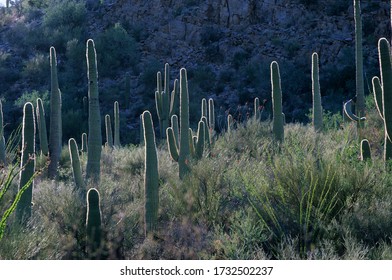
<point x="383" y="93"/>
<point x="181" y="153"/>
<point x="23" y="210"/>
<point x="2" y="138"/>
<point x="93" y="223"/>
<point x="55" y="118"/>
<point x="166" y="102"/>
<point x="317" y="108"/>
<point x="42" y="133"/>
<point x="151" y="175"/>
<point x="278" y="118"/>
<point x="94" y="118"/>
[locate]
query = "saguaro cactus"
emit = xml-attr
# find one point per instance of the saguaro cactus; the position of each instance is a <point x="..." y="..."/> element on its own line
<point x="230" y="123"/>
<point x="109" y="133"/>
<point x="27" y="162"/>
<point x="116" y="125"/>
<point x="75" y="162"/>
<point x="182" y="154"/>
<point x="94" y="118"/>
<point x="166" y="103"/>
<point x="256" y="109"/>
<point x="2" y="139"/>
<point x="317" y="108"/>
<point x="93" y="222"/>
<point x="42" y="133"/>
<point x="55" y="118"/>
<point x="151" y="175"/>
<point x="211" y="114"/>
<point x="365" y="150"/>
<point x="360" y="100"/>
<point x="383" y="94"/>
<point x="84" y="143"/>
<point x="277" y="125"/>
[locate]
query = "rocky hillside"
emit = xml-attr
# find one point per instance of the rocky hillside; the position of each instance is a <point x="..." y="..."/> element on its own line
<point x="226" y="45"/>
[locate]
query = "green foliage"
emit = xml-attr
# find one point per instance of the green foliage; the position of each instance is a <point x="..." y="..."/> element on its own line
<point x="120" y="50"/>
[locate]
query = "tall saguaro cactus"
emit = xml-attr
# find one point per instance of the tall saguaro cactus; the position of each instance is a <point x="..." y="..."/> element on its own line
<point x="42" y="133"/>
<point x="27" y="163"/>
<point x="151" y="175"/>
<point x="93" y="222"/>
<point x="94" y="116"/>
<point x="317" y="108"/>
<point x="182" y="154"/>
<point x="277" y="125"/>
<point x="55" y="117"/>
<point x="109" y="133"/>
<point x="383" y="94"/>
<point x="2" y="139"/>
<point x="116" y="125"/>
<point x="360" y="102"/>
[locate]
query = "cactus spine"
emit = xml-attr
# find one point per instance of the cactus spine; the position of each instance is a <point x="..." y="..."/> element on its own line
<point x="360" y="100"/>
<point x="93" y="222"/>
<point x="165" y="102"/>
<point x="27" y="162"/>
<point x="75" y="162"/>
<point x="116" y="125"/>
<point x="55" y="118"/>
<point x="277" y="125"/>
<point x="317" y="108"/>
<point x="109" y="134"/>
<point x="151" y="175"/>
<point x="43" y="138"/>
<point x="94" y="118"/>
<point x="2" y="139"/>
<point x="182" y="154"/>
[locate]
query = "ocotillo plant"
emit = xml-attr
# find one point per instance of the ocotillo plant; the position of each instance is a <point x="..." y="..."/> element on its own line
<point x="166" y="103"/>
<point x="94" y="118"/>
<point x="23" y="210"/>
<point x="55" y="117"/>
<point x="93" y="223"/>
<point x="151" y="176"/>
<point x="277" y="125"/>
<point x="75" y="162"/>
<point x="182" y="154"/>
<point x="317" y="108"/>
<point x="360" y="97"/>
<point x="2" y="139"/>
<point x="365" y="150"/>
<point x="41" y="123"/>
<point x="116" y="125"/>
<point x="109" y="133"/>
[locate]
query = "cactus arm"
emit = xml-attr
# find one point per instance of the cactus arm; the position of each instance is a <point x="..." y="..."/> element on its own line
<point x="204" y="108"/>
<point x="211" y="114"/>
<point x="349" y="113"/>
<point x="377" y="92"/>
<point x="174" y="99"/>
<point x="199" y="148"/>
<point x="174" y="125"/>
<point x="172" y="145"/>
<point x="43" y="138"/>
